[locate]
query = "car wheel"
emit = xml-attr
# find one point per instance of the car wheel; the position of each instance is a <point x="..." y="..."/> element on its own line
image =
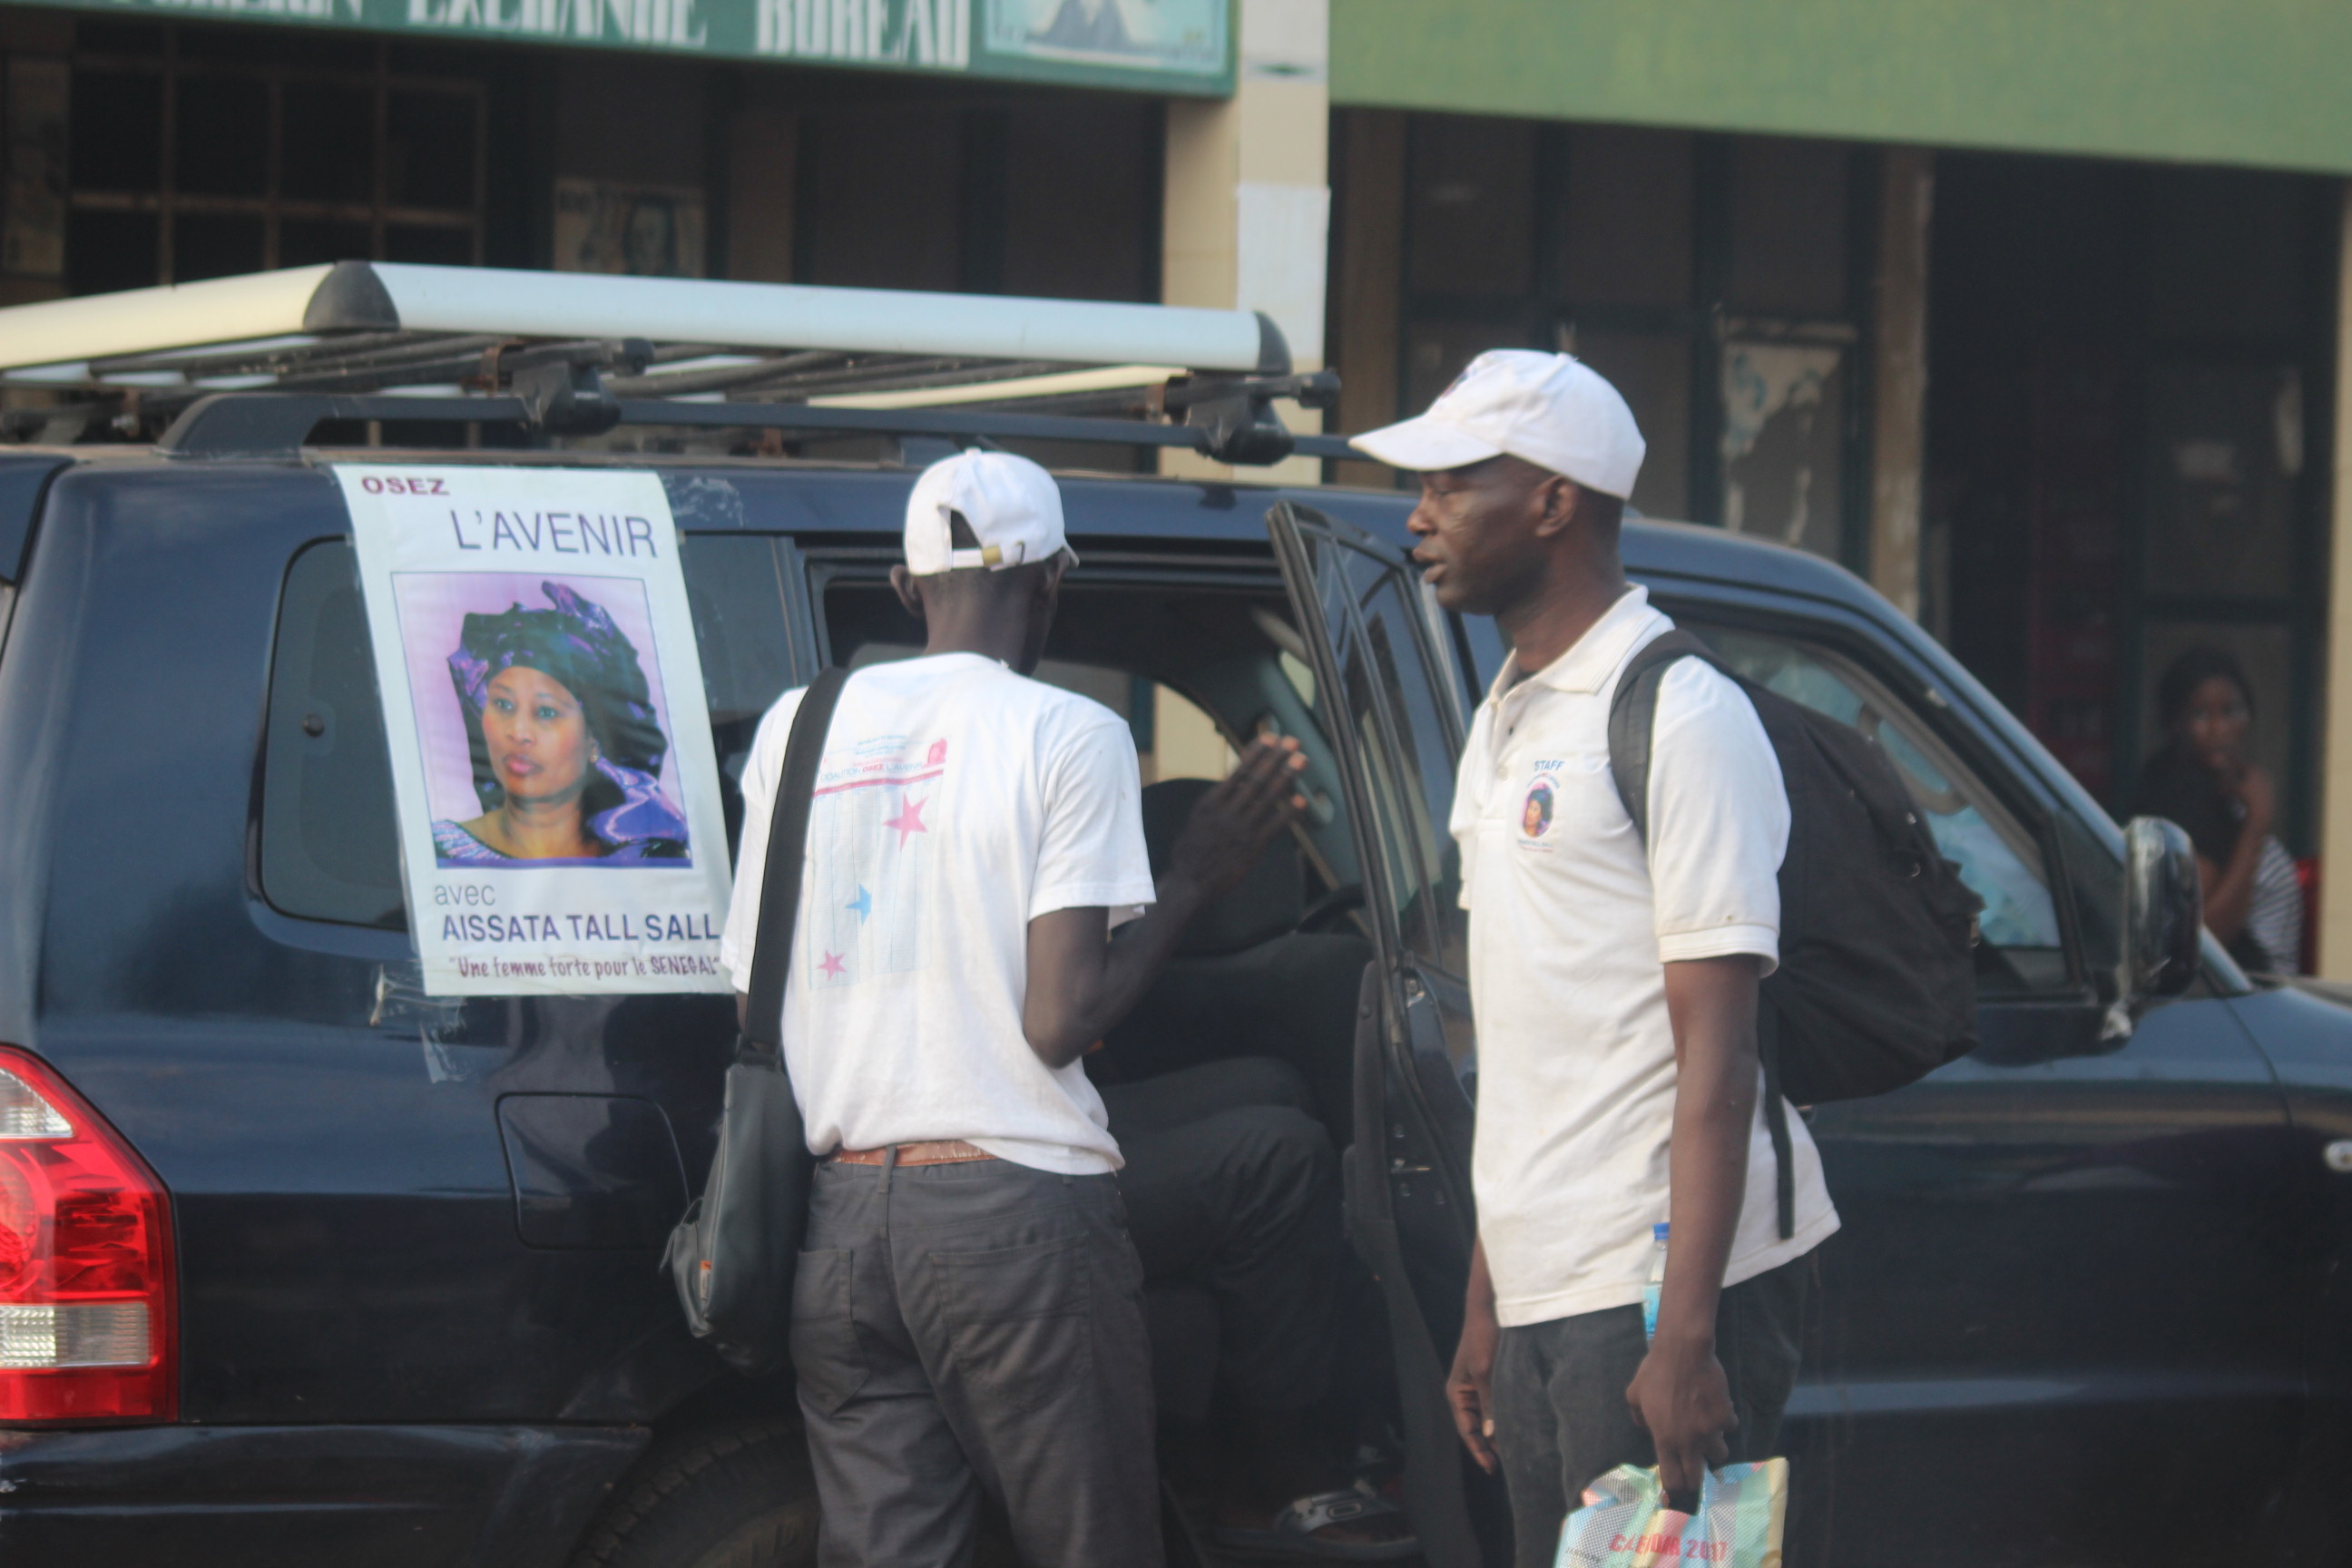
<point x="738" y="1496"/>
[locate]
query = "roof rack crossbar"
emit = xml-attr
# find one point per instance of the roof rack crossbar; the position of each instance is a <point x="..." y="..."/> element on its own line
<point x="728" y="378"/>
<point x="242" y="425"/>
<point x="358" y="349"/>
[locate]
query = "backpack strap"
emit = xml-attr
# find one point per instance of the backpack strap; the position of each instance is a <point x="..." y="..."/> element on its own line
<point x="1632" y="714"/>
<point x="1633" y="711"/>
<point x="780" y="881"/>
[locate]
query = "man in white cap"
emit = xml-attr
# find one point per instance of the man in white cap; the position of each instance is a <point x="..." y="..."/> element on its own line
<point x="968" y="1316"/>
<point x="1614" y="980"/>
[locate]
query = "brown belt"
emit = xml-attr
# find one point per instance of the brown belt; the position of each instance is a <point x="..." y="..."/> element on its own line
<point x="940" y="1151"/>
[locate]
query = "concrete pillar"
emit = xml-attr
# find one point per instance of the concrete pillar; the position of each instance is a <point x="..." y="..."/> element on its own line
<point x="1247" y="216"/>
<point x="2336" y="802"/>
<point x="1898" y="442"/>
<point x="1367" y="266"/>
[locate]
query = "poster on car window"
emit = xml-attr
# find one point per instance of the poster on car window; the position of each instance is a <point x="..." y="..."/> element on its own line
<point x="560" y="822"/>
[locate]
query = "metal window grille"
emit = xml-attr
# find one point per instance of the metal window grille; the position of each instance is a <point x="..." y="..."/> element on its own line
<point x="359" y="160"/>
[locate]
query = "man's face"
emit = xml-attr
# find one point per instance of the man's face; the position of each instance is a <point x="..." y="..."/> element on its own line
<point x="1479" y="528"/>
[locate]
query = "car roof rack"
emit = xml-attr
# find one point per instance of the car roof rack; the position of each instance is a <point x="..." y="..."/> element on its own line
<point x="251" y="365"/>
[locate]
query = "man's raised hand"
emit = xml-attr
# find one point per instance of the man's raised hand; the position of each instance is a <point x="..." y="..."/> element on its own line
<point x="1234" y="822"/>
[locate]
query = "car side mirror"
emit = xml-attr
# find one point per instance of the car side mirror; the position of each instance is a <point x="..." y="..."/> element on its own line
<point x="2163" y="912"/>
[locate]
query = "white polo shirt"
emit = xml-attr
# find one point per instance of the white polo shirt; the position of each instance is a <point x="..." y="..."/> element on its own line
<point x="1570" y="926"/>
<point x="955" y="803"/>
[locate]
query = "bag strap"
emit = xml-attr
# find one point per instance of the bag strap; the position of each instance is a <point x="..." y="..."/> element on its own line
<point x="1776" y="1118"/>
<point x="780" y="881"/>
<point x="1633" y="713"/>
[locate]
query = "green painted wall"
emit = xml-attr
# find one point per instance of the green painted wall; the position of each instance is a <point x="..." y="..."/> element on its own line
<point x="2237" y="81"/>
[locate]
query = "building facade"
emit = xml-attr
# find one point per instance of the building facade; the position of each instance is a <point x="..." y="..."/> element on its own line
<point x="2029" y="314"/>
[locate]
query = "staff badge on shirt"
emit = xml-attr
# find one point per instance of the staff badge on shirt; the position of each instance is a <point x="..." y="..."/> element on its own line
<point x="1535" y="816"/>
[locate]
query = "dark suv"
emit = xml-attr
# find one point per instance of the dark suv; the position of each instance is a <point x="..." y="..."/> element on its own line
<point x="366" y="1276"/>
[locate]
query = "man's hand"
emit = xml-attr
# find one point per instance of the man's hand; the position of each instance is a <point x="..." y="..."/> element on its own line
<point x="1080" y="982"/>
<point x="1681" y="1398"/>
<point x="1469" y="1388"/>
<point x="1234" y="822"/>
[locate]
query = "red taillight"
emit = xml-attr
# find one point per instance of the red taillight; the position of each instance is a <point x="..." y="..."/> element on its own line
<point x="85" y="1277"/>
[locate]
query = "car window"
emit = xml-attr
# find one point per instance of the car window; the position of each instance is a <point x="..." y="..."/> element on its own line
<point x="1400" y="716"/>
<point x="330" y="847"/>
<point x="2024" y="947"/>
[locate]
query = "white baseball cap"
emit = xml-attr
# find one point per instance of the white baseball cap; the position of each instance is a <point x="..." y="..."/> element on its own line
<point x="1553" y="410"/>
<point x="1013" y="505"/>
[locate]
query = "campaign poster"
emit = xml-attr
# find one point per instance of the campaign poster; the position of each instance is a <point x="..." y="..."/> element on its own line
<point x="560" y="823"/>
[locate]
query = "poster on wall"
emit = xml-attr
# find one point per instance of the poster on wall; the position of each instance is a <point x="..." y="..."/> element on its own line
<point x="560" y="824"/>
<point x="641" y="231"/>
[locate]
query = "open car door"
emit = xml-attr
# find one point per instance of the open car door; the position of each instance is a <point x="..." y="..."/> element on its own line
<point x="1390" y="701"/>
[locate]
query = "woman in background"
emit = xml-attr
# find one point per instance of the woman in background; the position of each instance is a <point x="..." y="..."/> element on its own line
<point x="567" y="756"/>
<point x="2203" y="780"/>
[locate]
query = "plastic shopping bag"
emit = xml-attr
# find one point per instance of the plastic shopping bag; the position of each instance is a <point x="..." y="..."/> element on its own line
<point x="1625" y="1522"/>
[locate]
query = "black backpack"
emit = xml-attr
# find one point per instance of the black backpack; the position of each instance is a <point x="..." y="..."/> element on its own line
<point x="1876" y="985"/>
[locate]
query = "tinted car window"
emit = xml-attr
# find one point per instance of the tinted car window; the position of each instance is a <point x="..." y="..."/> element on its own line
<point x="2024" y="947"/>
<point x="330" y="850"/>
<point x="327" y="847"/>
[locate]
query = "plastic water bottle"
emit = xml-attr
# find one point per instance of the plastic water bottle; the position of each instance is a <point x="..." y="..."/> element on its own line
<point x="1657" y="1281"/>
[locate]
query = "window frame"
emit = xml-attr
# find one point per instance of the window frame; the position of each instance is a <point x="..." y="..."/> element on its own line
<point x="1921" y="696"/>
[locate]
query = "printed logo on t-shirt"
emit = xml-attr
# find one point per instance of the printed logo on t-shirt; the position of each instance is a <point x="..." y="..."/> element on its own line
<point x="1535" y="816"/>
<point x="1539" y="806"/>
<point x="870" y="827"/>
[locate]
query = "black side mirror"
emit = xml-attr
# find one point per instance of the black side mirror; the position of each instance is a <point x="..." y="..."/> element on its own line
<point x="2163" y="912"/>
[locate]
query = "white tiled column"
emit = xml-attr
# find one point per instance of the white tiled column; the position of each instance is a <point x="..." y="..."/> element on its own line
<point x="1247" y="212"/>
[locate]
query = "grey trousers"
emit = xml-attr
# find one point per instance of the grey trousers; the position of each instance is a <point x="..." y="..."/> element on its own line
<point x="1560" y="1417"/>
<point x="968" y="1328"/>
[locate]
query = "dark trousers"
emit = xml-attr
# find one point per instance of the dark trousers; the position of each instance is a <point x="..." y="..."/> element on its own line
<point x="1230" y="1181"/>
<point x="1560" y="1417"/>
<point x="967" y="1327"/>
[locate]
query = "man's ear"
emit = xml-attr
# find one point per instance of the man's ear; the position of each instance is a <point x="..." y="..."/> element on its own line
<point x="903" y="583"/>
<point x="1049" y="583"/>
<point x="1555" y="503"/>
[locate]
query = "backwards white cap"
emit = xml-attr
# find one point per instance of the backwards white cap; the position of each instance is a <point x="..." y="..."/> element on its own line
<point x="1013" y="505"/>
<point x="1553" y="410"/>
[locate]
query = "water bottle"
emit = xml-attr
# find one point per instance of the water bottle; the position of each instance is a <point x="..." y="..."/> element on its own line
<point x="1657" y="1281"/>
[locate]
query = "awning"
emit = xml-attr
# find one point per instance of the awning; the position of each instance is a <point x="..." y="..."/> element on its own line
<point x="2257" y="82"/>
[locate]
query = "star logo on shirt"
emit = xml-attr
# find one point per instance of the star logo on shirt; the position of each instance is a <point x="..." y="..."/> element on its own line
<point x="832" y="968"/>
<point x="910" y="820"/>
<point x="863" y="903"/>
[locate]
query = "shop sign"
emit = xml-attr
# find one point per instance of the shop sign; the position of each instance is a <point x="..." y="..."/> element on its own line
<point x="1158" y="45"/>
<point x="552" y="769"/>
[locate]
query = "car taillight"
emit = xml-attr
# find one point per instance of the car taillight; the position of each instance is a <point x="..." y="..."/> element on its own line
<point x="85" y="1277"/>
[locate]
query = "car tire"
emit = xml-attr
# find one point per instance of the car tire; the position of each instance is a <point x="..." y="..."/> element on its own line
<point x="736" y="1496"/>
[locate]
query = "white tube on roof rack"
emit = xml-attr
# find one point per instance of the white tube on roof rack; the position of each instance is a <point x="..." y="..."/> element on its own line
<point x="400" y="296"/>
<point x="146" y="321"/>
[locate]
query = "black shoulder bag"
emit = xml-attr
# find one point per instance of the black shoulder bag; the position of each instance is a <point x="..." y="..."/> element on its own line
<point x="732" y="1255"/>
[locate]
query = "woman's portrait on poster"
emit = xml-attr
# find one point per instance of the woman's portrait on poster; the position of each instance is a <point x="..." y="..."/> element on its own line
<point x="565" y="745"/>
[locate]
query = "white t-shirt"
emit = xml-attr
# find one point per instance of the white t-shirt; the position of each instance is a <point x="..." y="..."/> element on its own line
<point x="957" y="801"/>
<point x="1570" y="927"/>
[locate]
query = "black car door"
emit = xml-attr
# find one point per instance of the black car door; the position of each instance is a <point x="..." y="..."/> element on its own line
<point x="2057" y="1325"/>
<point x="1385" y="698"/>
